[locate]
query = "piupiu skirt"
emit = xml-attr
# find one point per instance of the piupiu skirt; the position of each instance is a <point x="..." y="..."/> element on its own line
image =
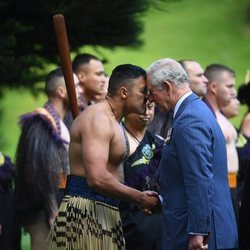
<point x="86" y="220"/>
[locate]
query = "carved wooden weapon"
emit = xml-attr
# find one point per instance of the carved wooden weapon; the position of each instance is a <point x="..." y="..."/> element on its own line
<point x="64" y="52"/>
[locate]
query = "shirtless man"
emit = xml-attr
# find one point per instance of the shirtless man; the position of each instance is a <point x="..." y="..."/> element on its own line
<point x="89" y="217"/>
<point x="220" y="92"/>
<point x="230" y="111"/>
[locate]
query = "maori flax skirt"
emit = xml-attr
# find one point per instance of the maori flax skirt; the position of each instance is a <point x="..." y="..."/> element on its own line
<point x="87" y="223"/>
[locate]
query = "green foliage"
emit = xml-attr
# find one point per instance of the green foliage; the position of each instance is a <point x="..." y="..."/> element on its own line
<point x="27" y="40"/>
<point x="206" y="31"/>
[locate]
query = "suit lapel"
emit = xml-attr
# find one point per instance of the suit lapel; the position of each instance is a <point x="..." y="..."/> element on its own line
<point x="185" y="103"/>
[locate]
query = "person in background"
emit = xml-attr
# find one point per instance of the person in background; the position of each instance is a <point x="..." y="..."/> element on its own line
<point x="90" y="71"/>
<point x="220" y="92"/>
<point x="244" y="153"/>
<point x="243" y="149"/>
<point x="244" y="218"/>
<point x="244" y="132"/>
<point x="197" y="79"/>
<point x="192" y="174"/>
<point x="92" y="80"/>
<point x="160" y="124"/>
<point x="6" y="206"/>
<point x="232" y="109"/>
<point x="42" y="162"/>
<point x="244" y="98"/>
<point x="141" y="231"/>
<point x="88" y="217"/>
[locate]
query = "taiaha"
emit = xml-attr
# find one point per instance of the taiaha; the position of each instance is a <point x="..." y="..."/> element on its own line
<point x="64" y="52"/>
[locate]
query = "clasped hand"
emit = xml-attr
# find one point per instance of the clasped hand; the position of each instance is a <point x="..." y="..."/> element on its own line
<point x="148" y="201"/>
<point x="197" y="242"/>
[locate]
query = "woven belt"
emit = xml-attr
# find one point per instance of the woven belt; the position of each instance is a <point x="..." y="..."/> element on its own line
<point x="78" y="186"/>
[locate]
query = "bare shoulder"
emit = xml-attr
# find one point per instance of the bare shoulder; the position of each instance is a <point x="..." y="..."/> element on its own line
<point x="94" y="118"/>
<point x="247" y="117"/>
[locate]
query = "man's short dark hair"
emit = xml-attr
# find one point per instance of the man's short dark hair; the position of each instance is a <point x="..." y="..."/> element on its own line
<point x="53" y="80"/>
<point x="213" y="71"/>
<point x="122" y="76"/>
<point x="184" y="63"/>
<point x="82" y="59"/>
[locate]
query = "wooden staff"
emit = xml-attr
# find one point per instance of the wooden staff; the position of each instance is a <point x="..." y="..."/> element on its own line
<point x="64" y="52"/>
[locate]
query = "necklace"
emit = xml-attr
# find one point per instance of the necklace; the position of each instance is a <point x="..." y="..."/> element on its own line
<point x="133" y="136"/>
<point x="123" y="131"/>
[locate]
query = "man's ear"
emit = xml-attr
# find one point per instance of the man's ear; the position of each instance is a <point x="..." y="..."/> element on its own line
<point x="167" y="85"/>
<point x="213" y="87"/>
<point x="81" y="76"/>
<point x="61" y="91"/>
<point x="123" y="92"/>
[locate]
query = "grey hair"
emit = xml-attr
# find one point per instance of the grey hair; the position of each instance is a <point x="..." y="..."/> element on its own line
<point x="167" y="69"/>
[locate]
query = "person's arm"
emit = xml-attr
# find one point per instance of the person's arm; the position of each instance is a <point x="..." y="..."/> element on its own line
<point x="97" y="136"/>
<point x="194" y="148"/>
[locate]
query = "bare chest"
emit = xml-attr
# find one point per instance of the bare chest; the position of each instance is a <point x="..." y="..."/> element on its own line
<point x="227" y="128"/>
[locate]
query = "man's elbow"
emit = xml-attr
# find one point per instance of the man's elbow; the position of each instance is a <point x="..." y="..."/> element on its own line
<point x="95" y="182"/>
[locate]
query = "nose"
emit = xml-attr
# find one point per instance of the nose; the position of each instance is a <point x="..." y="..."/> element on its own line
<point x="233" y="92"/>
<point x="204" y="79"/>
<point x="104" y="78"/>
<point x="146" y="111"/>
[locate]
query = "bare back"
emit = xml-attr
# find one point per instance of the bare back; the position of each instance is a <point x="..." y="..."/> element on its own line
<point x="97" y="143"/>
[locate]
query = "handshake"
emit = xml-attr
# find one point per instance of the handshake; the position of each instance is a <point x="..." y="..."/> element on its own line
<point x="149" y="202"/>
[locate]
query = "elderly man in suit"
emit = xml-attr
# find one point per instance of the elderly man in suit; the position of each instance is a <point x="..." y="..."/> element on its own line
<point x="197" y="208"/>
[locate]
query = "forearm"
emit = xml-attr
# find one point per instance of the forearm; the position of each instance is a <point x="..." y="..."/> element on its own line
<point x="108" y="185"/>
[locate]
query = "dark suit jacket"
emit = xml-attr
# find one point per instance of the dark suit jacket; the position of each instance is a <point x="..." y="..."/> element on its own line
<point x="193" y="180"/>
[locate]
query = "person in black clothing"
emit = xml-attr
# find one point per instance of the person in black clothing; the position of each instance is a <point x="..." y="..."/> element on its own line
<point x="142" y="231"/>
<point x="244" y="170"/>
<point x="6" y="206"/>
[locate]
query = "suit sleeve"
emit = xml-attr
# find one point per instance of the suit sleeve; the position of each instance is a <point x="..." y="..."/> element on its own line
<point x="195" y="153"/>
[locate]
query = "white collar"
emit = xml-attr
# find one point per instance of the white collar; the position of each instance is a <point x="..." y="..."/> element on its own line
<point x="178" y="104"/>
